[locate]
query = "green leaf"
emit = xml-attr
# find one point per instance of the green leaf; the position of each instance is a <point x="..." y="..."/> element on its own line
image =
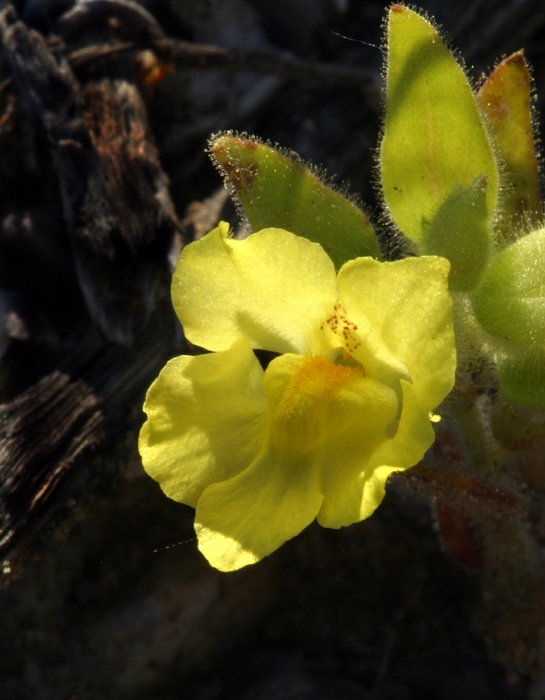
<point x="522" y="380"/>
<point x="434" y="137"/>
<point x="505" y="98"/>
<point x="276" y="190"/>
<point x="460" y="232"/>
<point x="510" y="301"/>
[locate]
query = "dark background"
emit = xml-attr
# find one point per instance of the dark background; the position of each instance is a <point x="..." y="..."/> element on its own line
<point x="119" y="604"/>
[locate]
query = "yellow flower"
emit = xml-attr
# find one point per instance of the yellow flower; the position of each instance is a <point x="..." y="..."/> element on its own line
<point x="364" y="357"/>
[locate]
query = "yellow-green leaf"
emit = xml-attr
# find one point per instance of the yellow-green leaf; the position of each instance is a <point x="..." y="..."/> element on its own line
<point x="505" y="98"/>
<point x="276" y="190"/>
<point x="434" y="136"/>
<point x="522" y="378"/>
<point x="509" y="303"/>
<point x="460" y="231"/>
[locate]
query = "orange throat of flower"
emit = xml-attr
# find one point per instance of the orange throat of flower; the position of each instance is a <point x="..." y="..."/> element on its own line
<point x="309" y="401"/>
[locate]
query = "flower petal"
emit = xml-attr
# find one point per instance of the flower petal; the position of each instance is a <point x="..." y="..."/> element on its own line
<point x="320" y="409"/>
<point x="320" y="414"/>
<point x="242" y="520"/>
<point x="415" y="435"/>
<point x="274" y="287"/>
<point x="207" y="419"/>
<point x="407" y="306"/>
<point x="354" y="490"/>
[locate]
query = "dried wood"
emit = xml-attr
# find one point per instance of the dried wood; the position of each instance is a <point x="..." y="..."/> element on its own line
<point x="204" y="57"/>
<point x="87" y="11"/>
<point x="115" y="195"/>
<point x="63" y="438"/>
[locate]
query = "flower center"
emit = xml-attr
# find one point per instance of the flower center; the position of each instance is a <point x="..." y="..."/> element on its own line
<point x="318" y="379"/>
<point x="310" y="407"/>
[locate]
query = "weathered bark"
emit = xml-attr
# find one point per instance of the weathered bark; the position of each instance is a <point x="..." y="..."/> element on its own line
<point x="115" y="195"/>
<point x="61" y="439"/>
<point x="65" y="437"/>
